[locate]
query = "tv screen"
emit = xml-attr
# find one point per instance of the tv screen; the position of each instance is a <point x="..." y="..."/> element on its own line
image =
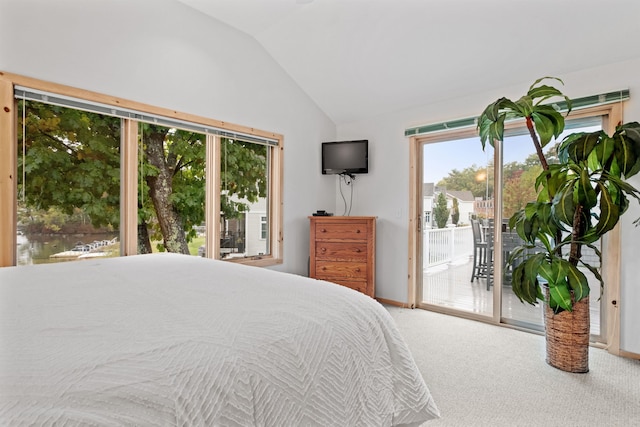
<point x="348" y="157"/>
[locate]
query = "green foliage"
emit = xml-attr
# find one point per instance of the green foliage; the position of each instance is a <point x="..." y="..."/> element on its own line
<point x="578" y="199"/>
<point x="549" y="123"/>
<point x="71" y="161"/>
<point x="441" y="211"/>
<point x="243" y="175"/>
<point x="72" y="164"/>
<point x="473" y="178"/>
<point x="519" y="188"/>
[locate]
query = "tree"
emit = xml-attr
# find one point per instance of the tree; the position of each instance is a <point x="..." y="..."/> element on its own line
<point x="441" y="211"/>
<point x="72" y="161"/>
<point x="472" y="178"/>
<point x="519" y="189"/>
<point x="455" y="212"/>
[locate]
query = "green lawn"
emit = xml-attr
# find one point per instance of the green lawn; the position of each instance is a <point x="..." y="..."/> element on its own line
<point x="193" y="245"/>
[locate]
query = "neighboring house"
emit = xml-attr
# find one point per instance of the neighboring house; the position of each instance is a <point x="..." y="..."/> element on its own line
<point x="247" y="235"/>
<point x="256" y="228"/>
<point x="466" y="203"/>
<point x="483" y="208"/>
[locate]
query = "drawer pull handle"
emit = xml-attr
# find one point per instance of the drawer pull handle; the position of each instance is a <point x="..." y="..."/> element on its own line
<point x="358" y="231"/>
<point x="323" y="249"/>
<point x="357" y="270"/>
<point x="358" y="250"/>
<point x="323" y="230"/>
<point x="324" y="268"/>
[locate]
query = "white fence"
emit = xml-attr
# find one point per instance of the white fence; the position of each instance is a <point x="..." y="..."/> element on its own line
<point x="446" y="245"/>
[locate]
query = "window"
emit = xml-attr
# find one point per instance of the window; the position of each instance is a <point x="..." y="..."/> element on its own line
<point x="171" y="190"/>
<point x="244" y="197"/>
<point x="263" y="227"/>
<point x="68" y="201"/>
<point x="156" y="180"/>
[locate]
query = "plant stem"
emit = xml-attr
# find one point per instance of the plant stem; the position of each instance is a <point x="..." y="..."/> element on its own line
<point x="536" y="143"/>
<point x="575" y="252"/>
<point x="545" y="167"/>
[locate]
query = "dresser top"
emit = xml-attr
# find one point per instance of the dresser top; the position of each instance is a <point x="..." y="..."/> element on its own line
<point x="341" y="218"/>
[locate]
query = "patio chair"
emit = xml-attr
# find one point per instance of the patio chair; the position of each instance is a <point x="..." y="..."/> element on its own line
<point x="487" y="271"/>
<point x="482" y="252"/>
<point x="479" y="249"/>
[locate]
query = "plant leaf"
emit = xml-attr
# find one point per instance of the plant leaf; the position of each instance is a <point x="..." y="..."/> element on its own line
<point x="544" y="128"/>
<point x="560" y="294"/>
<point x="578" y="147"/>
<point x="625" y="154"/>
<point x="523" y="287"/>
<point x="586" y="194"/>
<point x="549" y="123"/>
<point x="577" y="282"/>
<point x="630" y="132"/>
<point x="563" y="206"/>
<point x="604" y="150"/>
<point x="609" y="212"/>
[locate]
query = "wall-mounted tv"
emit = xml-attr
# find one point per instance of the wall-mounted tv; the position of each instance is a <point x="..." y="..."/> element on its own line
<point x="345" y="157"/>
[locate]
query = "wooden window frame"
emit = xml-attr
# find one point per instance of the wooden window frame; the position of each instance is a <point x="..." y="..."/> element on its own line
<point x="128" y="187"/>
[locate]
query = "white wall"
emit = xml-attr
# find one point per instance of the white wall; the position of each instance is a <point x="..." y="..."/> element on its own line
<point x="384" y="192"/>
<point x="165" y="54"/>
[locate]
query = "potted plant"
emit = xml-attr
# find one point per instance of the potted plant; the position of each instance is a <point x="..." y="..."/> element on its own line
<point x="579" y="200"/>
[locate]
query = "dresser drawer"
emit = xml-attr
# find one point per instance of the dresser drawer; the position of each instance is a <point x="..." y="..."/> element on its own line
<point x="326" y="270"/>
<point x="357" y="285"/>
<point x="341" y="231"/>
<point x="341" y="251"/>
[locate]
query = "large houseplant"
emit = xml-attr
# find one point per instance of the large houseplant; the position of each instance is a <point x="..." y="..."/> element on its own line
<point x="579" y="200"/>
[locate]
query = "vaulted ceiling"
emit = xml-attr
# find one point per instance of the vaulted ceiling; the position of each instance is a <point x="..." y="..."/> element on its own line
<point x="363" y="58"/>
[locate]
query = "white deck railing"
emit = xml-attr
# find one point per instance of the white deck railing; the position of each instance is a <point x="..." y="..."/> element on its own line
<point x="446" y="245"/>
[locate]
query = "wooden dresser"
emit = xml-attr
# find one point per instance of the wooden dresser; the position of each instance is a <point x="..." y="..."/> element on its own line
<point x="343" y="251"/>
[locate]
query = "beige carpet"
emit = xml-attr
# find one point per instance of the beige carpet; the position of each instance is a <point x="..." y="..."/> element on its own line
<point x="486" y="375"/>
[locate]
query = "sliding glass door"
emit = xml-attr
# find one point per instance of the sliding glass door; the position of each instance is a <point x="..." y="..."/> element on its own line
<point x="457" y="208"/>
<point x="465" y="203"/>
<point x="520" y="168"/>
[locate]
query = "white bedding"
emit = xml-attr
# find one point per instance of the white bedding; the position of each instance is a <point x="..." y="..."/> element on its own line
<point x="171" y="339"/>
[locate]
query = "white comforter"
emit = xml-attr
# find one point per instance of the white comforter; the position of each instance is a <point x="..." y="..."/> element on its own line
<point x="176" y="340"/>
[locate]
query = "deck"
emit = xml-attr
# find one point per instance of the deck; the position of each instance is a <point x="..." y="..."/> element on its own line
<point x="448" y="285"/>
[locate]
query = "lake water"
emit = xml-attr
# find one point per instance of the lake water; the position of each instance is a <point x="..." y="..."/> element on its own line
<point x="37" y="249"/>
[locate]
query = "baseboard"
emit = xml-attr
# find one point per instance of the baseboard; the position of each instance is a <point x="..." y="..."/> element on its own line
<point x="392" y="302"/>
<point x="629" y="354"/>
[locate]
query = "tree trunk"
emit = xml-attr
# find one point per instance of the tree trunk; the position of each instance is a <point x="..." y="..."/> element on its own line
<point x="144" y="242"/>
<point x="160" y="189"/>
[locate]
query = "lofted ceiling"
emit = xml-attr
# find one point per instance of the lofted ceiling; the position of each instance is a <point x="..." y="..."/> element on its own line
<point x="363" y="58"/>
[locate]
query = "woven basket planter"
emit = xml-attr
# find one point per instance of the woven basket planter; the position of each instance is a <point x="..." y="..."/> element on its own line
<point x="567" y="335"/>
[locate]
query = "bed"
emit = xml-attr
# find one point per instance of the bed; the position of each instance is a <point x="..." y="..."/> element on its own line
<point x="169" y="339"/>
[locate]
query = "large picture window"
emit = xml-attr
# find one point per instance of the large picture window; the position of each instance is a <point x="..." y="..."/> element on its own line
<point x="68" y="179"/>
<point x="100" y="176"/>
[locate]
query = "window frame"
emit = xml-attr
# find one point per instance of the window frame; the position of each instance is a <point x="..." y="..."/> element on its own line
<point x="129" y="174"/>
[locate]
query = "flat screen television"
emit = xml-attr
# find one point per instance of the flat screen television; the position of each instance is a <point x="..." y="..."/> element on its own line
<point x="345" y="157"/>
